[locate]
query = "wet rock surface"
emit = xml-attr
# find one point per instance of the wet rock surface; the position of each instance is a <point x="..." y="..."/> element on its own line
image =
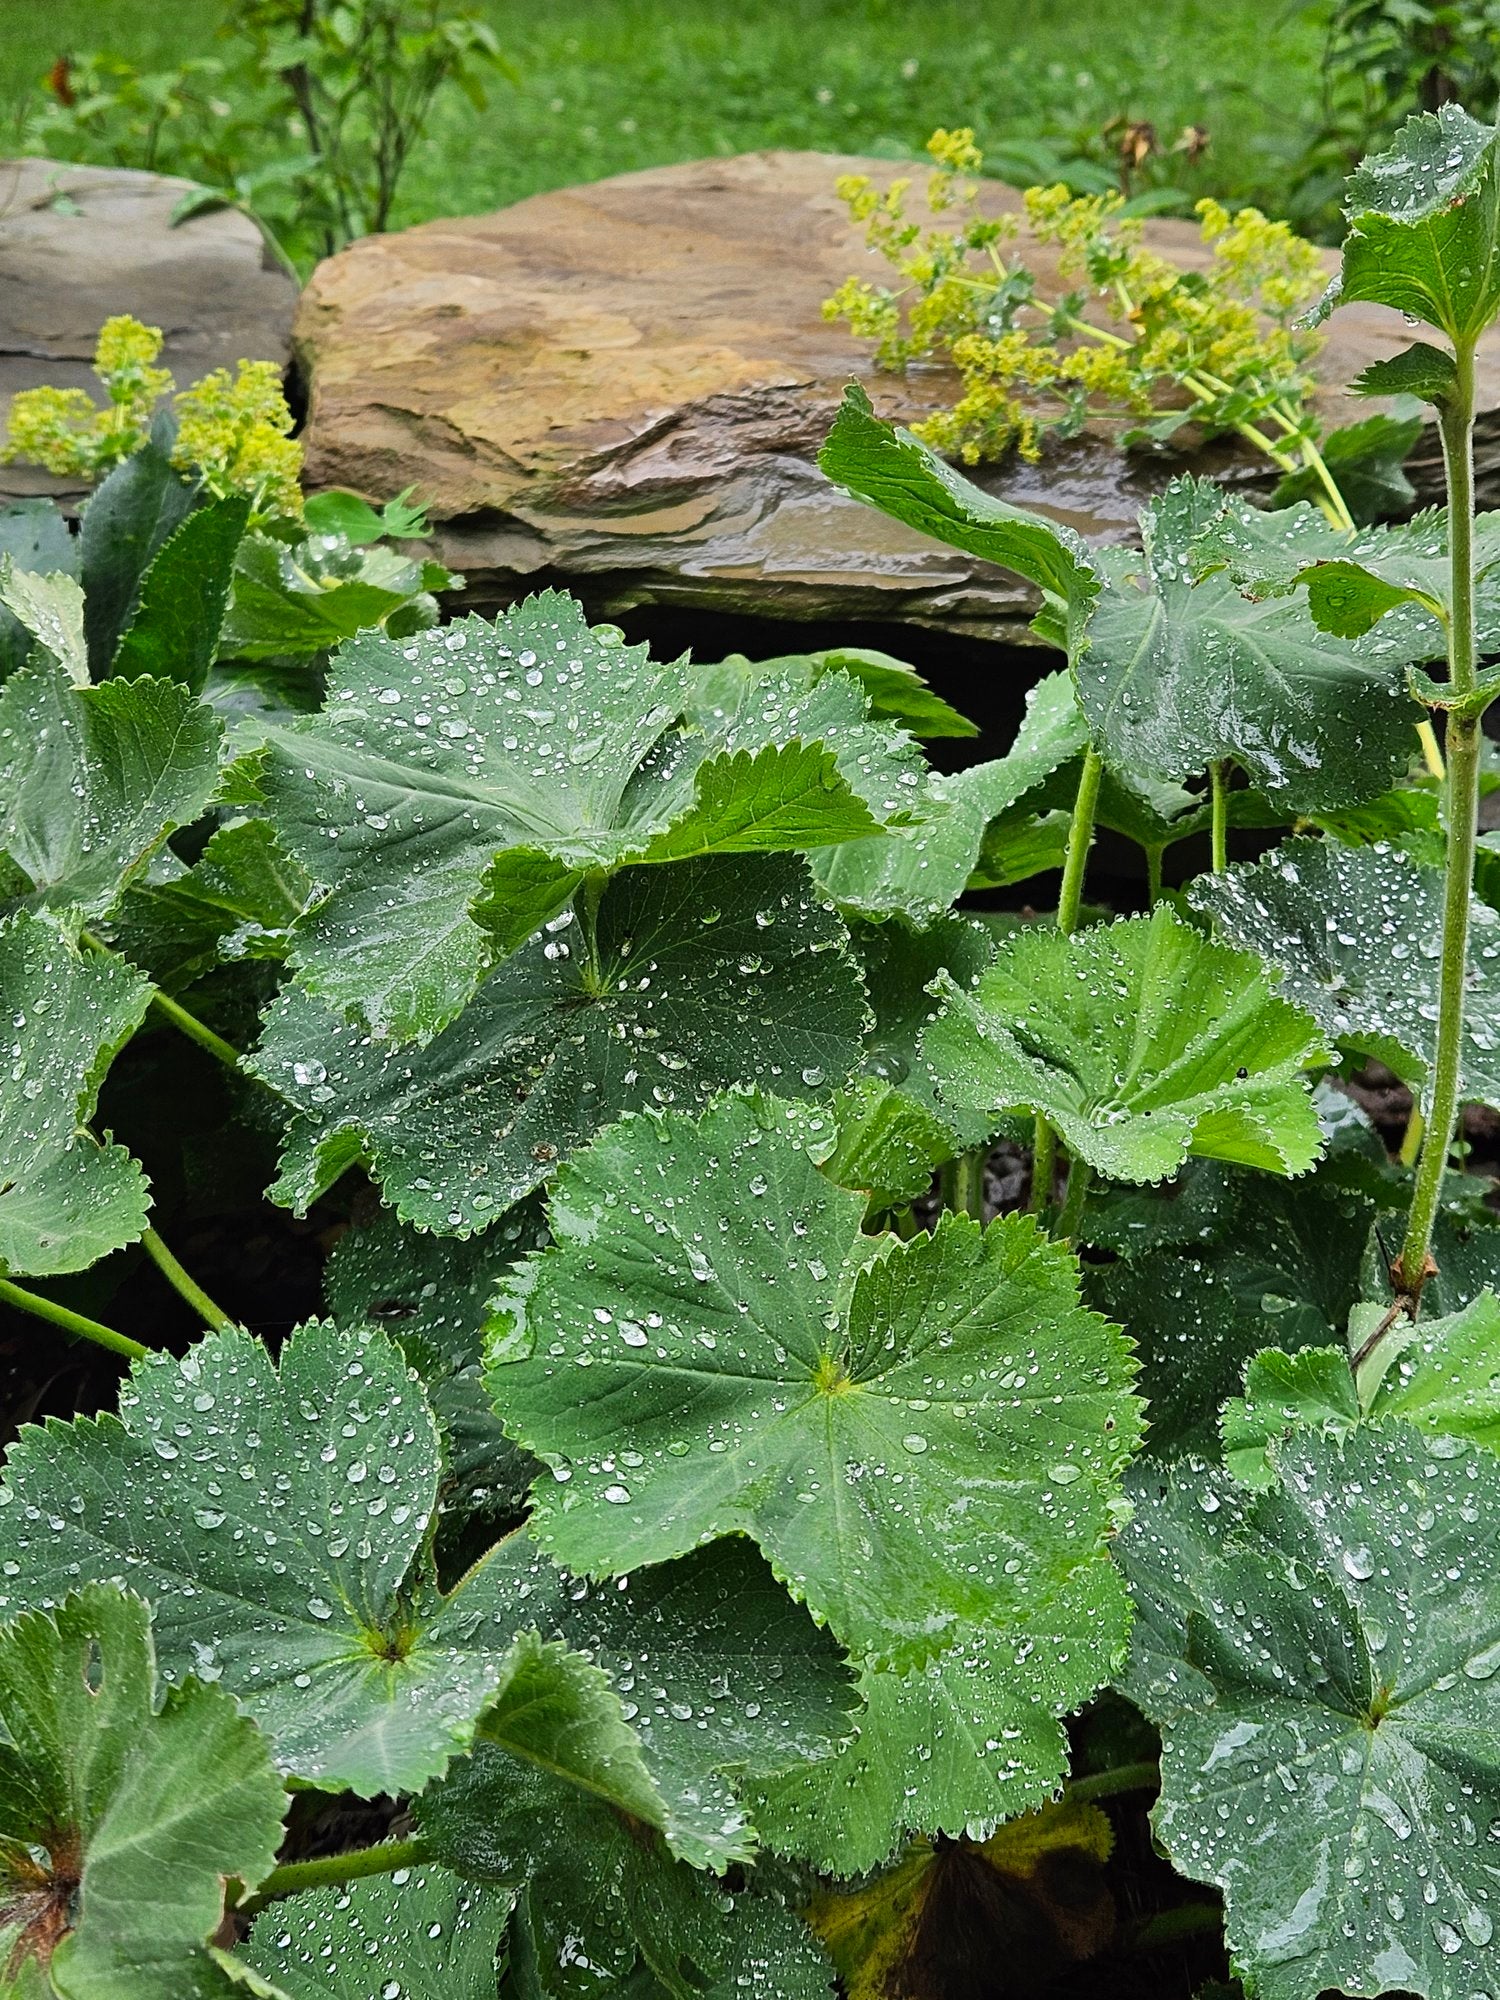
<point x="622" y="388"/>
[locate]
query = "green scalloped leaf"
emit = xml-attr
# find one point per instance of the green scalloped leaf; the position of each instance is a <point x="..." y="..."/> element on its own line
<point x="93" y="779"/>
<point x="1321" y="1663"/>
<point x="723" y="971"/>
<point x="1141" y="1041"/>
<point x="459" y="784"/>
<point x="1355" y="934"/>
<point x="895" y="690"/>
<point x="184" y="596"/>
<point x="237" y="901"/>
<point x="957" y="1746"/>
<point x="1424" y="225"/>
<point x="65" y="1199"/>
<point x="124" y="1809"/>
<point x="865" y="1409"/>
<point x="1178" y="674"/>
<point x="899" y="965"/>
<point x="427" y="1932"/>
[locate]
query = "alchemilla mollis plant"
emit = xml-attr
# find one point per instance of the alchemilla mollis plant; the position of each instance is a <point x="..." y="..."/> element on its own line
<point x="680" y="1541"/>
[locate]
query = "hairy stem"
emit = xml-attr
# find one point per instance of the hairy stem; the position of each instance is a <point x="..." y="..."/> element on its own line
<point x="1080" y="1174"/>
<point x="187" y="1287"/>
<point x="962" y="1183"/>
<point x="1153" y="876"/>
<point x="71" y="1322"/>
<point x="1069" y="902"/>
<point x="1218" y="776"/>
<point x="1456" y="422"/>
<point x="1111" y="1784"/>
<point x="170" y="1010"/>
<point x="330" y="1870"/>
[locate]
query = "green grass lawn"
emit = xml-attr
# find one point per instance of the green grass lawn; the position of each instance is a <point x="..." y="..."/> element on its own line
<point x="609" y="85"/>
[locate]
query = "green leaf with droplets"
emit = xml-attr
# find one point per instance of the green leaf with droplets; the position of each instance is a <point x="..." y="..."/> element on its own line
<point x="899" y="966"/>
<point x="65" y="1199"/>
<point x="957" y="1746"/>
<point x="124" y="1809"/>
<point x="1180" y="671"/>
<point x="1263" y="1262"/>
<point x="34" y="537"/>
<point x="722" y="1678"/>
<point x="1322" y="1665"/>
<point x="276" y="1517"/>
<point x="237" y="901"/>
<point x="421" y="1934"/>
<point x="1141" y="1042"/>
<point x="93" y="779"/>
<point x="1310" y="1390"/>
<point x="50" y="610"/>
<point x="429" y="1293"/>
<point x="896" y="691"/>
<point x="686" y="980"/>
<point x="604" y="1899"/>
<point x="1424" y="226"/>
<point x="1355" y="934"/>
<point x="459" y="784"/>
<point x="921" y="1436"/>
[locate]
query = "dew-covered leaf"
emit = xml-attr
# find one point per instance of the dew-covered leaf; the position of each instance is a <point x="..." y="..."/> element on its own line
<point x="1178" y="674"/>
<point x="863" y="1408"/>
<point x="1424" y="225"/>
<point x="174" y="631"/>
<point x="604" y="1899"/>
<point x="65" y="1199"/>
<point x="297" y="601"/>
<point x="1264" y="1263"/>
<point x="458" y="784"/>
<point x="722" y="971"/>
<point x="34" y="536"/>
<point x="50" y="610"/>
<point x="276" y="1519"/>
<point x="124" y="1808"/>
<point x="1141" y="1041"/>
<point x="237" y="901"/>
<point x="1033" y="1895"/>
<point x="420" y="1934"/>
<point x="895" y="691"/>
<point x="1356" y="934"/>
<point x="959" y="1745"/>
<point x="1321" y="1663"/>
<point x="899" y="965"/>
<point x="1310" y="1390"/>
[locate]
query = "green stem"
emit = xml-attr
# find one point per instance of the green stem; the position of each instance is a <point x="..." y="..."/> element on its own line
<point x="1456" y="422"/>
<point x="1110" y="1784"/>
<point x="1218" y="783"/>
<point x="962" y="1183"/>
<point x="1069" y="902"/>
<point x="213" y="1317"/>
<point x="72" y="1322"/>
<point x="1079" y="1176"/>
<point x="329" y="1871"/>
<point x="1167" y="1926"/>
<point x="171" y="1010"/>
<point x="1153" y="876"/>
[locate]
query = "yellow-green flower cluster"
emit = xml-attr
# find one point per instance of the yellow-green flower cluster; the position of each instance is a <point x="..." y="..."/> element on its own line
<point x="233" y="432"/>
<point x="1139" y="338"/>
<point x="65" y="431"/>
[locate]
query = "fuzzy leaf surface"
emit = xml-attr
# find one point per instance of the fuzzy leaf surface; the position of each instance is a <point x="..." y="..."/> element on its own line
<point x="237" y="901"/>
<point x="435" y="1936"/>
<point x="184" y="595"/>
<point x="1333" y="1645"/>
<point x="458" y="784"/>
<point x="717" y="972"/>
<point x="862" y="1408"/>
<point x="1141" y="1041"/>
<point x="49" y="609"/>
<point x="123" y="1807"/>
<point x="65" y="1200"/>
<point x="1355" y="933"/>
<point x="1177" y="674"/>
<point x="92" y="780"/>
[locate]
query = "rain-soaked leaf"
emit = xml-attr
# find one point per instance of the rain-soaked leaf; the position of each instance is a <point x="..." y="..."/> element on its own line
<point x="1356" y="934"/>
<point x="93" y="779"/>
<point x="1179" y="673"/>
<point x="420" y="1934"/>
<point x="65" y="1199"/>
<point x="896" y="691"/>
<point x="1141" y="1041"/>
<point x="603" y="1897"/>
<point x="50" y="610"/>
<point x="276" y="1519"/>
<point x="899" y="965"/>
<point x="1424" y="234"/>
<point x="237" y="901"/>
<point x="727" y="970"/>
<point x="459" y="784"/>
<point x="956" y="1746"/>
<point x="1322" y="1664"/>
<point x="864" y="1408"/>
<point x="1265" y="1263"/>
<point x="1032" y="1897"/>
<point x="124" y="1809"/>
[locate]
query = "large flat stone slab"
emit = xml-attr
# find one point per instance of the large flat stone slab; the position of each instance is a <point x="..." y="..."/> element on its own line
<point x="78" y="244"/>
<point x="622" y="387"/>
